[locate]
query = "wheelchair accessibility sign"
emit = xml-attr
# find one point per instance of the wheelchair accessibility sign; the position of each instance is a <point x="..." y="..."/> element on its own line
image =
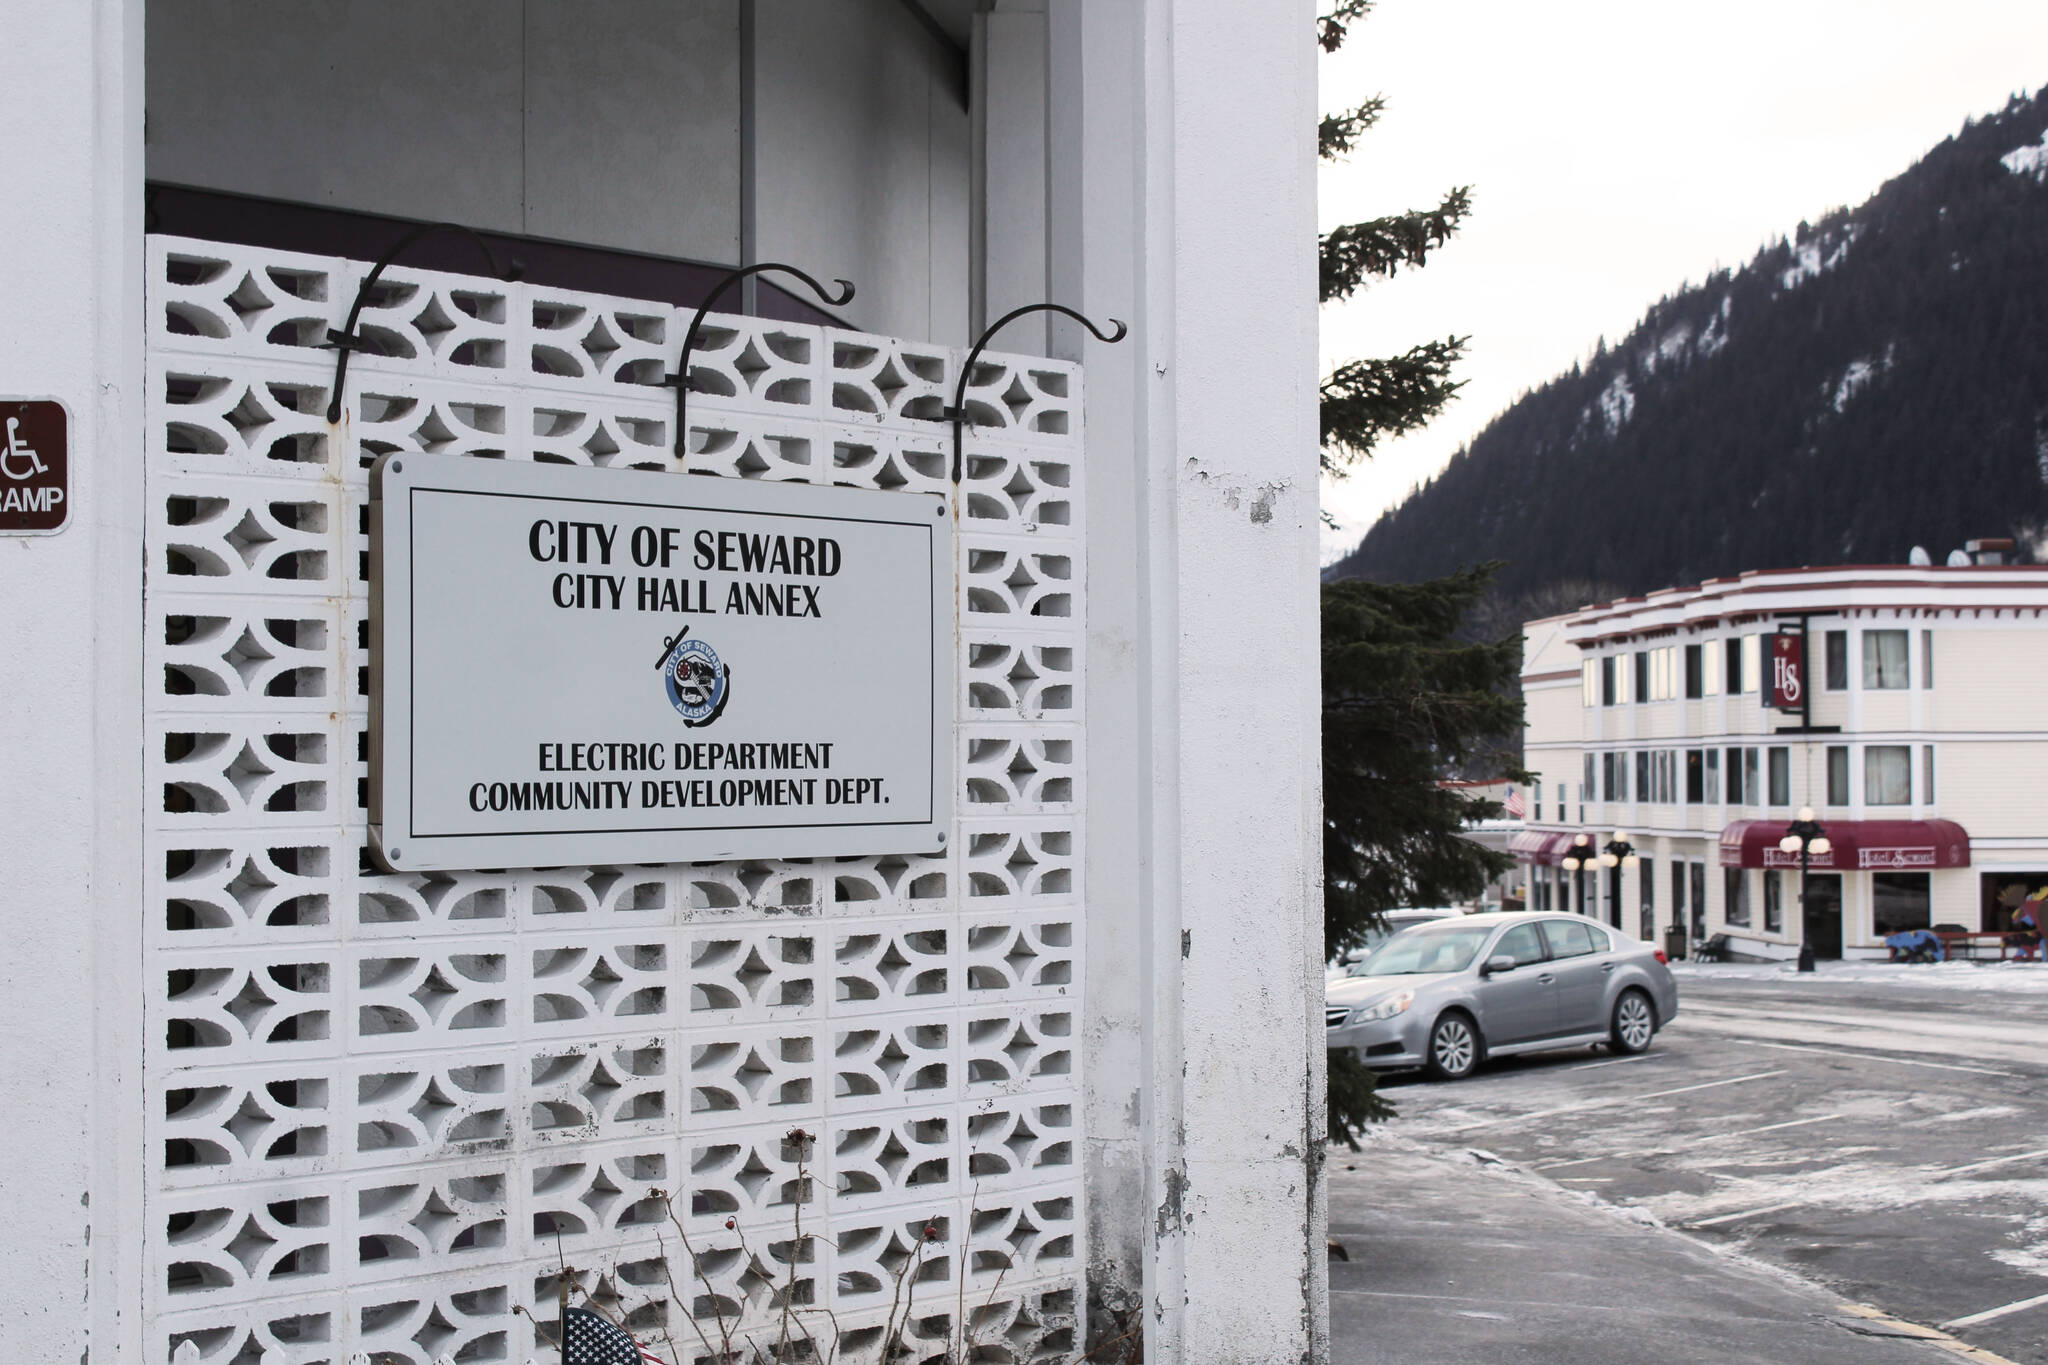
<point x="35" y="469"/>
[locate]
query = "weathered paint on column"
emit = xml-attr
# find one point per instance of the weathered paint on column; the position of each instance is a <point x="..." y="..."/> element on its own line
<point x="71" y="329"/>
<point x="1206" y="1084"/>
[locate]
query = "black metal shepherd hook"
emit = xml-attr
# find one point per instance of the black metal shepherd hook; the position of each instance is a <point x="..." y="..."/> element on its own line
<point x="348" y="339"/>
<point x="681" y="378"/>
<point x="958" y="412"/>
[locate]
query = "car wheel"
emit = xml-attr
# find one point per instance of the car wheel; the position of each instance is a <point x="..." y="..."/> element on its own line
<point x="1453" y="1047"/>
<point x="1634" y="1023"/>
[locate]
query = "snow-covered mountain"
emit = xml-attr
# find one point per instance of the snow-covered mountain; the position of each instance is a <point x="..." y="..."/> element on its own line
<point x="1877" y="382"/>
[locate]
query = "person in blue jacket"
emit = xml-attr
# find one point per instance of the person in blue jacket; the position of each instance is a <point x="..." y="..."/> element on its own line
<point x="1914" y="945"/>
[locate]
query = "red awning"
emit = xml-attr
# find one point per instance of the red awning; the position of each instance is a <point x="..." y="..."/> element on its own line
<point x="1534" y="846"/>
<point x="1855" y="845"/>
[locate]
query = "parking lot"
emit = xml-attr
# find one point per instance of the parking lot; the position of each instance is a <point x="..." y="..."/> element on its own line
<point x="1886" y="1138"/>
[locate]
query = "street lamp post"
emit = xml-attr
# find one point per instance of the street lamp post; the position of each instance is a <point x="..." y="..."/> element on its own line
<point x="1576" y="860"/>
<point x="1618" y="853"/>
<point x="1806" y="837"/>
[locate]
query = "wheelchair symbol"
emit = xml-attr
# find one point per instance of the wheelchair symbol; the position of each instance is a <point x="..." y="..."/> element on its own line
<point x="16" y="451"/>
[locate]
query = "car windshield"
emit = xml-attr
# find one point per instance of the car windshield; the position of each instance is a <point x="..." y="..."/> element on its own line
<point x="1423" y="949"/>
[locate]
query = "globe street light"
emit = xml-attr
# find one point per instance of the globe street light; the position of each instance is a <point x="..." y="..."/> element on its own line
<point x="1618" y="853"/>
<point x="1806" y="837"/>
<point x="1576" y="860"/>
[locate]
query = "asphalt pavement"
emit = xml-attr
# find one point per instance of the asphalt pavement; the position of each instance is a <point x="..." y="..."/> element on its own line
<point x="1790" y="1149"/>
<point x="1461" y="1259"/>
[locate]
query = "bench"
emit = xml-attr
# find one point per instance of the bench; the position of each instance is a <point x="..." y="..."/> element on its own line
<point x="1713" y="949"/>
<point x="1972" y="945"/>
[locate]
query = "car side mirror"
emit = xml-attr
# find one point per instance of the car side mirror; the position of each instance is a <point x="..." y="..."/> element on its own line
<point x="1501" y="963"/>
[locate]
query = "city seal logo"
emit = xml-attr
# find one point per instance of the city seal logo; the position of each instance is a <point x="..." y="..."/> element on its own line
<point x="696" y="682"/>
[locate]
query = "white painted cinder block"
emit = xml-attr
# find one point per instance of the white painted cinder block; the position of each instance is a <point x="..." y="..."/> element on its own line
<point x="1191" y="1205"/>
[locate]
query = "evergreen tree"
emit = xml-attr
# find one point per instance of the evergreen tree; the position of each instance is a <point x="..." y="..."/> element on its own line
<point x="1405" y="700"/>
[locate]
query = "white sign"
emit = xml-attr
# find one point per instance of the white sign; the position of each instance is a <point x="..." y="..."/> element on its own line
<point x="578" y="665"/>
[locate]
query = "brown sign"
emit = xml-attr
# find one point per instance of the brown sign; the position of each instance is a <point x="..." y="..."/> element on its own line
<point x="1788" y="671"/>
<point x="35" y="467"/>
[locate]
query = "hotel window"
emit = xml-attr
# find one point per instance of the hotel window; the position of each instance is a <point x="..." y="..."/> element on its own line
<point x="1588" y="782"/>
<point x="1695" y="777"/>
<point x="1736" y="796"/>
<point x="1735" y="896"/>
<point x="1589" y="682"/>
<point x="1644" y="791"/>
<point x="1731" y="653"/>
<point x="1899" y="901"/>
<point x="1836" y="645"/>
<point x="1710" y="667"/>
<point x="1838" y="774"/>
<point x="1887" y="775"/>
<point x="1713" y="777"/>
<point x="1678" y="893"/>
<point x="1536" y="801"/>
<point x="1752" y="790"/>
<point x="1752" y="663"/>
<point x="1884" y="660"/>
<point x="1780" y="776"/>
<point x="1614" y="769"/>
<point x="1607" y="680"/>
<point x="1927" y="775"/>
<point x="1644" y="690"/>
<point x="1699" y="899"/>
<point x="1927" y="659"/>
<point x="1695" y="679"/>
<point x="1774" y="903"/>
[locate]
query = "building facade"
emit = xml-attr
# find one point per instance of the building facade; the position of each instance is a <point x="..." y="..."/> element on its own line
<point x="276" y="1103"/>
<point x="1919" y="744"/>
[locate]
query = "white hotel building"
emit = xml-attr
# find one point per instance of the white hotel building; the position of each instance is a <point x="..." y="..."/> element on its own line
<point x="1925" y="755"/>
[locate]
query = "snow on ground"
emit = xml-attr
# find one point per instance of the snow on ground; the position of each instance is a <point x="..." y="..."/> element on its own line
<point x="1957" y="976"/>
<point x="2031" y="159"/>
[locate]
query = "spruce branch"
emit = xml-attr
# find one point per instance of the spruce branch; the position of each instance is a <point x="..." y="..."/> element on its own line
<point x="1365" y="400"/>
<point x="1357" y="252"/>
<point x="1338" y="133"/>
<point x="1334" y="27"/>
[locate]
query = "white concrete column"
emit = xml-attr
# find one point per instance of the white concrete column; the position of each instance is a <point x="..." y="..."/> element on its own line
<point x="1194" y="219"/>
<point x="1010" y="132"/>
<point x="70" y="705"/>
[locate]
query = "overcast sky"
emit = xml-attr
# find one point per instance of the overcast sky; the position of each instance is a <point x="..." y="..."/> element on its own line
<point x="1617" y="150"/>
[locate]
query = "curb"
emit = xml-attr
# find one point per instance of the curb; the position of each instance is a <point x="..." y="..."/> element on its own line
<point x="1876" y="1322"/>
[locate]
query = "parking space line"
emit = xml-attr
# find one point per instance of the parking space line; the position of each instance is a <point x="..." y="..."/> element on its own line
<point x="1746" y="1213"/>
<point x="1987" y="1165"/>
<point x="1767" y="1128"/>
<point x="1669" y="1151"/>
<point x="1988" y="1314"/>
<point x="1612" y="1100"/>
<point x="1619" y="1061"/>
<point x="1877" y="1057"/>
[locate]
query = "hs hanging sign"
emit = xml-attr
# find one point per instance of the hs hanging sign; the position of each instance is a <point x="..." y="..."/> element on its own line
<point x="577" y="665"/>
<point x="1788" y="670"/>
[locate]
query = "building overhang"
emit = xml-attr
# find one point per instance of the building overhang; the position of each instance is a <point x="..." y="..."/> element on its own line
<point x="1539" y="849"/>
<point x="1854" y="846"/>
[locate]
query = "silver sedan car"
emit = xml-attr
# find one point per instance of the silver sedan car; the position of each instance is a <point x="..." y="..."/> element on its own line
<point x="1447" y="995"/>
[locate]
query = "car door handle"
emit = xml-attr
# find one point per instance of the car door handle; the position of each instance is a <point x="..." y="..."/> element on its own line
<point x="1544" y="979"/>
<point x="1608" y="967"/>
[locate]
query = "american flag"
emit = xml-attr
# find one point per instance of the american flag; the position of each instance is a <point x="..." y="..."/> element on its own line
<point x="1514" y="804"/>
<point x="596" y="1340"/>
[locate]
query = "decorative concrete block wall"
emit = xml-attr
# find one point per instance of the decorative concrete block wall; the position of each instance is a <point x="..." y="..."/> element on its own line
<point x="383" y="1111"/>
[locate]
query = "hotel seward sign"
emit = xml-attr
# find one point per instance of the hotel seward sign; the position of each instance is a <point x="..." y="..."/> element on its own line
<point x="576" y="665"/>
